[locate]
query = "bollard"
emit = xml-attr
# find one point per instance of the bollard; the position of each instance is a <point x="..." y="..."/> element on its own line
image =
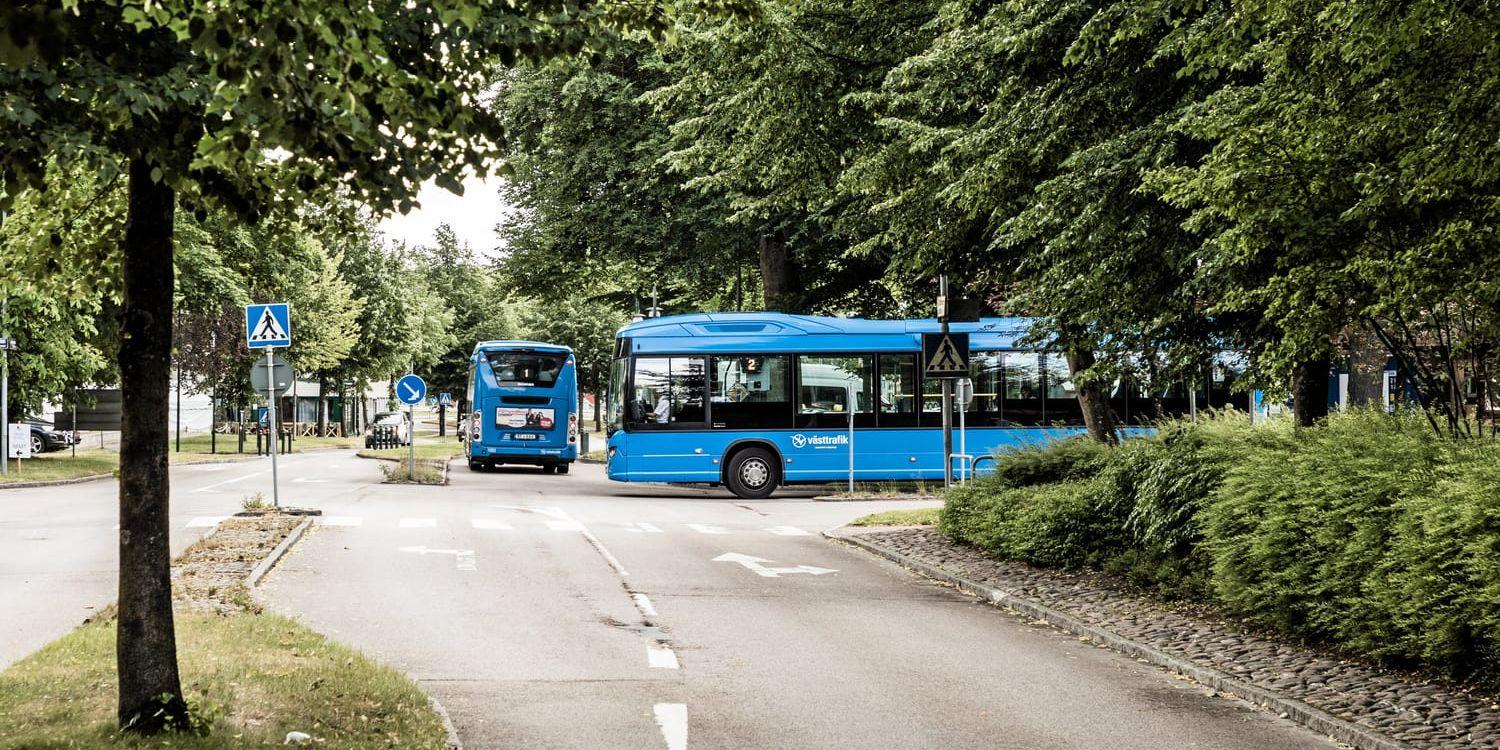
<point x="583" y="443"/>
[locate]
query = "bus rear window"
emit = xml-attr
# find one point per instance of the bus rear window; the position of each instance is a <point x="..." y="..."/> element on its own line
<point x="526" y="369"/>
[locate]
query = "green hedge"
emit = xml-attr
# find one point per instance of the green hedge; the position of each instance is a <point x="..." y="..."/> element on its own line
<point x="1368" y="533"/>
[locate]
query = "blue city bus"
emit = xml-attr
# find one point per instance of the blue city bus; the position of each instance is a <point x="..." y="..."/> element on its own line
<point x="753" y="401"/>
<point x="525" y="406"/>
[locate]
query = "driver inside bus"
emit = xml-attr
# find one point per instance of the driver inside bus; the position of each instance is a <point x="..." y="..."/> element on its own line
<point x="663" y="409"/>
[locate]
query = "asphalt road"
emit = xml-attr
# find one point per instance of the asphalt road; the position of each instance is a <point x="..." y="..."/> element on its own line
<point x="570" y="612"/>
<point x="59" y="552"/>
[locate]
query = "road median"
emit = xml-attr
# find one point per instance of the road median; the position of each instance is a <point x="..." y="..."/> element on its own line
<point x="250" y="677"/>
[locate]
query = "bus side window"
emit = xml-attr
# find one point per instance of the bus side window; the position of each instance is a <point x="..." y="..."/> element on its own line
<point x="668" y="390"/>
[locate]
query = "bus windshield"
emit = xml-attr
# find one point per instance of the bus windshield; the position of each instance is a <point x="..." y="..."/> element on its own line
<point x="526" y="369"/>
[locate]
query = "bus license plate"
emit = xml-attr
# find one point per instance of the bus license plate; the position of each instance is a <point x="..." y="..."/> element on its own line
<point x="526" y="436"/>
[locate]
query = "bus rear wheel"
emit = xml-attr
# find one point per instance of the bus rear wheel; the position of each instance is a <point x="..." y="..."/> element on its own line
<point x="475" y="465"/>
<point x="563" y="468"/>
<point x="752" y="474"/>
<point x="549" y="468"/>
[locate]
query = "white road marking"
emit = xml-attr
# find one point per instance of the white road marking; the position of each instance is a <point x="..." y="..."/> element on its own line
<point x="565" y="522"/>
<point x="565" y="525"/>
<point x="638" y="528"/>
<point x="643" y="603"/>
<point x="672" y="718"/>
<point x="557" y="513"/>
<point x="661" y="656"/>
<point x="788" y="531"/>
<point x="490" y="524"/>
<point x="205" y="522"/>
<point x="418" y="523"/>
<point x="754" y="565"/>
<point x="707" y="529"/>
<point x="305" y="480"/>
<point x="424" y="550"/>
<point x="603" y="552"/>
<point x="340" y="520"/>
<point x="466" y="561"/>
<point x="210" y="487"/>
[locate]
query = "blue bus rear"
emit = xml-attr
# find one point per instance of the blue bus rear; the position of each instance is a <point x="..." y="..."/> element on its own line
<point x="757" y="400"/>
<point x="525" y="406"/>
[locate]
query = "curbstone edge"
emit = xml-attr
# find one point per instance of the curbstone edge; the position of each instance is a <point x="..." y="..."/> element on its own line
<point x="1295" y="710"/>
<point x="270" y="560"/>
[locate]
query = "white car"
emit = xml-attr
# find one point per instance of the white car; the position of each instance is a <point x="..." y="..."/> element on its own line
<point x="395" y="419"/>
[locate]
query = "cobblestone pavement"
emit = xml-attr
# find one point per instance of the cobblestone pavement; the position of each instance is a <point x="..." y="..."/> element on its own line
<point x="1406" y="709"/>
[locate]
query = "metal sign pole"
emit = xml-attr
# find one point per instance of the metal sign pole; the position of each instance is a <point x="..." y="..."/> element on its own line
<point x="849" y="399"/>
<point x="271" y="418"/>
<point x="5" y="393"/>
<point x="947" y="388"/>
<point x="411" y="443"/>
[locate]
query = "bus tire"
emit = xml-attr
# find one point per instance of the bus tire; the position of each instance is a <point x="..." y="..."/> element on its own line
<point x="562" y="468"/>
<point x="475" y="465"/>
<point x="549" y="468"/>
<point x="753" y="474"/>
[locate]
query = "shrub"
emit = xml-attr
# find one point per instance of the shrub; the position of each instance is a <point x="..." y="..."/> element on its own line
<point x="1061" y="524"/>
<point x="1053" y="461"/>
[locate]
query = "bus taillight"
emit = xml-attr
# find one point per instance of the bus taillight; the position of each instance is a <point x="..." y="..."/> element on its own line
<point x="573" y="427"/>
<point x="474" y="426"/>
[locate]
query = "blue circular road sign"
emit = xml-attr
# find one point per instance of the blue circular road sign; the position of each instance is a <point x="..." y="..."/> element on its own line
<point x="410" y="390"/>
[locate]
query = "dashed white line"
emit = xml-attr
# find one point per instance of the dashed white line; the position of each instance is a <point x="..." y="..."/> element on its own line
<point x="788" y="531"/>
<point x="205" y="522"/>
<point x="418" y="523"/>
<point x="672" y="718"/>
<point x="650" y="528"/>
<point x="340" y="521"/>
<point x="660" y="656"/>
<point x="703" y="528"/>
<point x="490" y="524"/>
<point x="210" y="487"/>
<point x="643" y="603"/>
<point x="565" y="525"/>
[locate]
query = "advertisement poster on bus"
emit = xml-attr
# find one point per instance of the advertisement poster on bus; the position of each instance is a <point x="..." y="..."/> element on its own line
<point x="522" y="417"/>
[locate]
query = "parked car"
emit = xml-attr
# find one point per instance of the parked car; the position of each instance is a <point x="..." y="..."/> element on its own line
<point x="44" y="439"/>
<point x="395" y="419"/>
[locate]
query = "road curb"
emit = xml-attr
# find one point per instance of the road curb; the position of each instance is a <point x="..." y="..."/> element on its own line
<point x="270" y="560"/>
<point x="55" y="482"/>
<point x="1291" y="708"/>
<point x="449" y="731"/>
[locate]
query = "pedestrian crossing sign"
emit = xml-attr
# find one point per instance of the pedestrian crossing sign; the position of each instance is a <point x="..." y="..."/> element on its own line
<point x="268" y="326"/>
<point x="945" y="355"/>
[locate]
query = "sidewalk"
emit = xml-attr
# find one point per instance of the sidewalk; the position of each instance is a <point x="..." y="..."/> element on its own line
<point x="1356" y="702"/>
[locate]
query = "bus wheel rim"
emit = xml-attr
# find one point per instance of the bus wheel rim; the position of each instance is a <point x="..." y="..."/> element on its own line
<point x="754" y="473"/>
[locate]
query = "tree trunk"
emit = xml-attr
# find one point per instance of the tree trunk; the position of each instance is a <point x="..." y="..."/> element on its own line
<point x="150" y="697"/>
<point x="1310" y="390"/>
<point x="778" y="273"/>
<point x="322" y="405"/>
<point x="1093" y="399"/>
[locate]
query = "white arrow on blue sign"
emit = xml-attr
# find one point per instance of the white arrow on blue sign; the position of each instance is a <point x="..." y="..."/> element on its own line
<point x="410" y="389"/>
<point x="268" y="326"/>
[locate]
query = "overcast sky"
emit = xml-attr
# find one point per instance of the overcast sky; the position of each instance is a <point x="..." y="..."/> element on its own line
<point x="473" y="216"/>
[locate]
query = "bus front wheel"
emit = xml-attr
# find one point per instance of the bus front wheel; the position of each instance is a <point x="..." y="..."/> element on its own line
<point x="752" y="474"/>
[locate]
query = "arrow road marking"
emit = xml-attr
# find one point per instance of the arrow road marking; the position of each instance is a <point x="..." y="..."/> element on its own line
<point x="753" y="564"/>
<point x="672" y="718"/>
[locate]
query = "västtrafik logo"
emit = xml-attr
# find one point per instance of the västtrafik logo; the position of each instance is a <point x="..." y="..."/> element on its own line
<point x="800" y="441"/>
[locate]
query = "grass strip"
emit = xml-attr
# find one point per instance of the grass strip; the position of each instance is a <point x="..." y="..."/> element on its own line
<point x="912" y="517"/>
<point x="250" y="679"/>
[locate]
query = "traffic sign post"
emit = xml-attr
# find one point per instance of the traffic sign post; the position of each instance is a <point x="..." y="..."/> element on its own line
<point x="267" y="327"/>
<point x="945" y="355"/>
<point x="410" y="390"/>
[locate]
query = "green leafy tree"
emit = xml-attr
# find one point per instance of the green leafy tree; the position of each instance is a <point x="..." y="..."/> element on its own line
<point x="252" y="106"/>
<point x="588" y="328"/>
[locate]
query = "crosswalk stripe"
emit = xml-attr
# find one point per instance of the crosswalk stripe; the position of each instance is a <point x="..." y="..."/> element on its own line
<point x="340" y="521"/>
<point x="418" y="523"/>
<point x="565" y="525"/>
<point x="707" y="528"/>
<point x="489" y="524"/>
<point x="787" y="531"/>
<point x="205" y="522"/>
